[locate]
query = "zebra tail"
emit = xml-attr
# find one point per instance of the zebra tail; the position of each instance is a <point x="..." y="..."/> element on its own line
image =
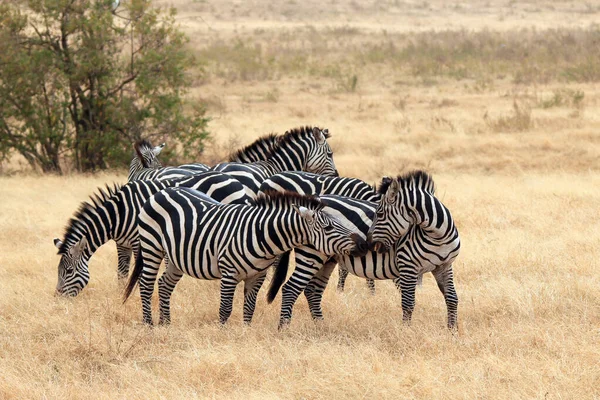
<point x="135" y="275"/>
<point x="279" y="276"/>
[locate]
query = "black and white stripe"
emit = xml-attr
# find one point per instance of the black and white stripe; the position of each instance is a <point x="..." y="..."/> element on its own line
<point x="112" y="214"/>
<point x="145" y="165"/>
<point x="302" y="149"/>
<point x="232" y="243"/>
<point x="407" y="201"/>
<point x="313" y="184"/>
<point x="405" y="262"/>
<point x="259" y="150"/>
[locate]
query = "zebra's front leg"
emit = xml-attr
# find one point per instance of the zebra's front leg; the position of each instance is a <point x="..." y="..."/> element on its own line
<point x="445" y="280"/>
<point x="166" y="284"/>
<point x="371" y="286"/>
<point x="251" y="289"/>
<point x="343" y="271"/>
<point x="315" y="289"/>
<point x="407" y="283"/>
<point x="228" y="285"/>
<point x="124" y="260"/>
<point x="308" y="263"/>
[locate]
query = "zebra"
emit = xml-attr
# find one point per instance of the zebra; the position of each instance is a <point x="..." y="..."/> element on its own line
<point x="112" y="214"/>
<point x="228" y="242"/>
<point x="314" y="184"/>
<point x="145" y="165"/>
<point x="259" y="150"/>
<point x="301" y="149"/>
<point x="409" y="200"/>
<point x="313" y="269"/>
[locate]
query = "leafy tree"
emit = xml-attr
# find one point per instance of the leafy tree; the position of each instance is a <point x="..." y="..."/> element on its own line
<point x="80" y="81"/>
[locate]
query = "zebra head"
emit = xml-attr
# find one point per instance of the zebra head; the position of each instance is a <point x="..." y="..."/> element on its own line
<point x="320" y="156"/>
<point x="146" y="156"/>
<point x="73" y="274"/>
<point x="329" y="236"/>
<point x="392" y="217"/>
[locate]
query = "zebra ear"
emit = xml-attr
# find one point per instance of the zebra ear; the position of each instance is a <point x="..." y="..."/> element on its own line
<point x="308" y="215"/>
<point x="158" y="149"/>
<point x="80" y="246"/>
<point x="319" y="136"/>
<point x="392" y="191"/>
<point x="58" y="243"/>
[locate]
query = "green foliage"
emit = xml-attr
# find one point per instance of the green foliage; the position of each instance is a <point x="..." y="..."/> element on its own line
<point x="79" y="83"/>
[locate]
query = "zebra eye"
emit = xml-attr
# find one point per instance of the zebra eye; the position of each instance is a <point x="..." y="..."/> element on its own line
<point x="328" y="228"/>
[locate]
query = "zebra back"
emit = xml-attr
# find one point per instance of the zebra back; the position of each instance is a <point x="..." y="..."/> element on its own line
<point x="313" y="184"/>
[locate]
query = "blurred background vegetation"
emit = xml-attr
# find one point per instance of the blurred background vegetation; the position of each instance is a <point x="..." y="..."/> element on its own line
<point x="80" y="80"/>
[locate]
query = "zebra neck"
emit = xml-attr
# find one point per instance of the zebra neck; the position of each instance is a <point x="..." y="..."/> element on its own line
<point x="280" y="231"/>
<point x="286" y="159"/>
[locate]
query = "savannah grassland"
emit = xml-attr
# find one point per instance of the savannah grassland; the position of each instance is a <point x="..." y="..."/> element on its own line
<point x="498" y="100"/>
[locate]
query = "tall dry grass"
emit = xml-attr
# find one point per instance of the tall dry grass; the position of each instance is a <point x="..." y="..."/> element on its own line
<point x="527" y="279"/>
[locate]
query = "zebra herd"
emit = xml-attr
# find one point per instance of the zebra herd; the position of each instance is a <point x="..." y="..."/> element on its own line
<point x="234" y="220"/>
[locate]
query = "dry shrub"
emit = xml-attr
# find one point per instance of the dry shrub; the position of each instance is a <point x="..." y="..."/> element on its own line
<point x="520" y="120"/>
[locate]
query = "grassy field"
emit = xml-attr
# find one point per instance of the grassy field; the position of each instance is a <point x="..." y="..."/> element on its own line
<point x="501" y="107"/>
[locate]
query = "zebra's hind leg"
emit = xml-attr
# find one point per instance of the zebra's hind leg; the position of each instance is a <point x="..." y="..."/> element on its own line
<point x="343" y="271"/>
<point x="124" y="260"/>
<point x="444" y="277"/>
<point x="151" y="262"/>
<point x="407" y="283"/>
<point x="314" y="290"/>
<point x="166" y="284"/>
<point x="251" y="289"/>
<point x="228" y="285"/>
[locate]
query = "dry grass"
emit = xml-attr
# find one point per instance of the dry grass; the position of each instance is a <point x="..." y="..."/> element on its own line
<point x="525" y="201"/>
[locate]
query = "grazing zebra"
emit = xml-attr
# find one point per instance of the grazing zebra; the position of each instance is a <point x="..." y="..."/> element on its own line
<point x="317" y="185"/>
<point x="112" y="214"/>
<point x="146" y="166"/>
<point x="232" y="243"/>
<point x="406" y="201"/>
<point x="302" y="149"/>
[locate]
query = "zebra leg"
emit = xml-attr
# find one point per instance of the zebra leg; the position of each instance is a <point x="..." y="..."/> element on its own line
<point x="371" y="286"/>
<point x="251" y="288"/>
<point x="343" y="271"/>
<point x="344" y="275"/>
<point x="308" y="263"/>
<point x="315" y="289"/>
<point x="151" y="262"/>
<point x="166" y="284"/>
<point x="124" y="260"/>
<point x="407" y="283"/>
<point x="228" y="285"/>
<point x="445" y="280"/>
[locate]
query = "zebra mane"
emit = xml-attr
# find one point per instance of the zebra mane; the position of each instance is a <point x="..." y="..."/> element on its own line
<point x="298" y="133"/>
<point x="268" y="142"/>
<point x="274" y="198"/>
<point x="411" y="180"/>
<point x="85" y="209"/>
<point x="140" y="147"/>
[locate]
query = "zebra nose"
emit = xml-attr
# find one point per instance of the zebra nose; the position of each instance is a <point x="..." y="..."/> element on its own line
<point x="361" y="247"/>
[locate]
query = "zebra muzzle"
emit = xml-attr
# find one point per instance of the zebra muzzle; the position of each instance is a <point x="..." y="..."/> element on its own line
<point x="361" y="247"/>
